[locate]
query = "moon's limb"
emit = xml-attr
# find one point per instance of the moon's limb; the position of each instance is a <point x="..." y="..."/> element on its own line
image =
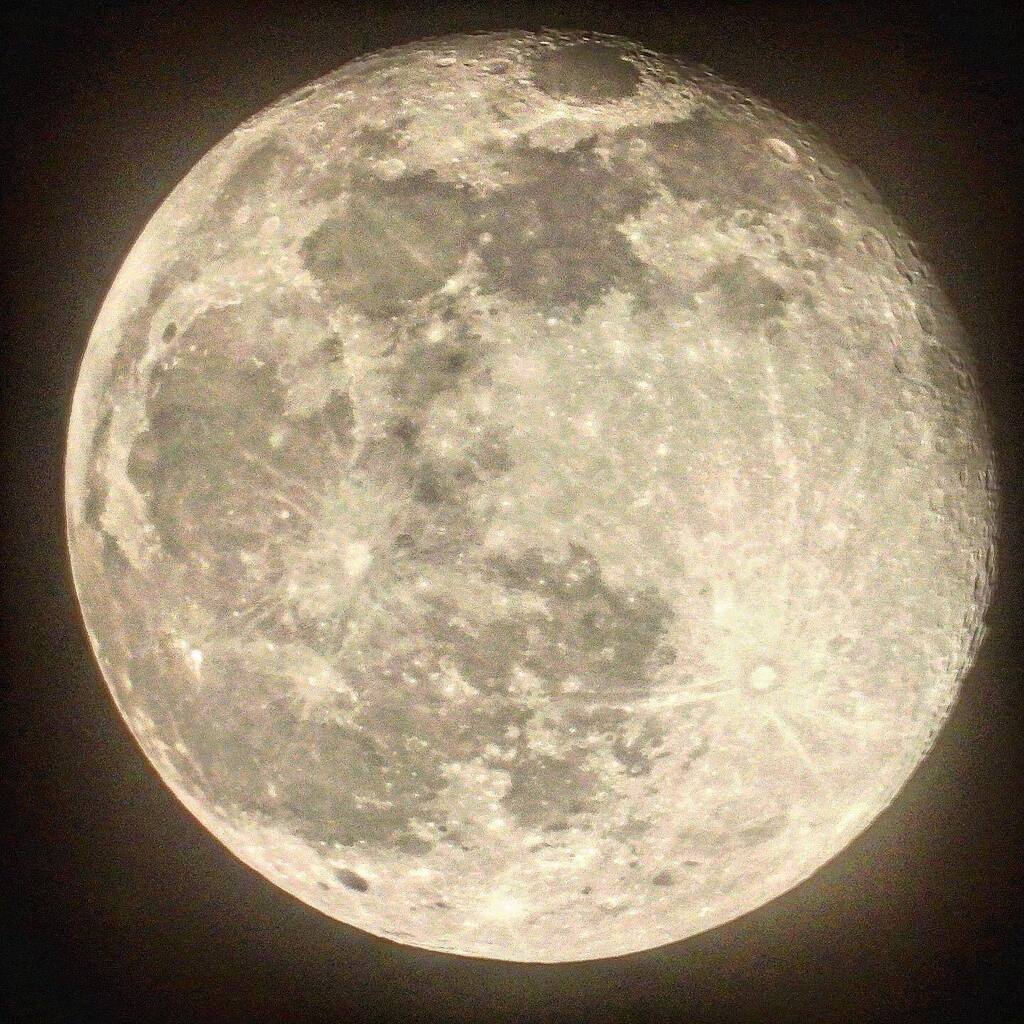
<point x="527" y="498"/>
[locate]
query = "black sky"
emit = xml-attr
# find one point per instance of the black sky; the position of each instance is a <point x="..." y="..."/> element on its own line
<point x="117" y="906"/>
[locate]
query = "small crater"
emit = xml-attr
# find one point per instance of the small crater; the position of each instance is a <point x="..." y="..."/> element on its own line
<point x="352" y="880"/>
<point x="587" y="71"/>
<point x="664" y="878"/>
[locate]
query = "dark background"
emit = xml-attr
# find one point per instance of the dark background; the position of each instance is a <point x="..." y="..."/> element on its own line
<point x="117" y="905"/>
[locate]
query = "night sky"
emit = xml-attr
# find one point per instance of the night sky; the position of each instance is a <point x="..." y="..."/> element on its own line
<point x="117" y="905"/>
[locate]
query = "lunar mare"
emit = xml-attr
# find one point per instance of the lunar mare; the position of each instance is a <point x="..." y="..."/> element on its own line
<point x="528" y="499"/>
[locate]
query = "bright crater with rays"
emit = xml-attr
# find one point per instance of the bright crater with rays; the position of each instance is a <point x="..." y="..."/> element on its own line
<point x="528" y="499"/>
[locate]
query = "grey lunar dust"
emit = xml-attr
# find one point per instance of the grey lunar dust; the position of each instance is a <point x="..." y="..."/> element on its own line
<point x="528" y="499"/>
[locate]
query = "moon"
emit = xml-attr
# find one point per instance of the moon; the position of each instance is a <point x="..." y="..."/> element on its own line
<point x="528" y="498"/>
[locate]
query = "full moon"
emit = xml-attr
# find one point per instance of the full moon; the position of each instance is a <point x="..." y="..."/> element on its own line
<point x="529" y="499"/>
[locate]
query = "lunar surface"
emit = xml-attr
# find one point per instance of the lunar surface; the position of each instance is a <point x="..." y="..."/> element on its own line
<point x="528" y="499"/>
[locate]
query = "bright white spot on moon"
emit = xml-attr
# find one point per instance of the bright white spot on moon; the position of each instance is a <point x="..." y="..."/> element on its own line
<point x="357" y="558"/>
<point x="528" y="499"/>
<point x="763" y="677"/>
<point x="503" y="907"/>
<point x="783" y="150"/>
